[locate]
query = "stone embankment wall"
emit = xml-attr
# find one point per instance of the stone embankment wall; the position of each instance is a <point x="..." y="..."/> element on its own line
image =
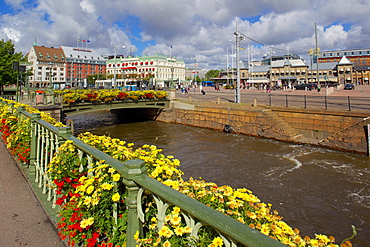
<point x="345" y="131"/>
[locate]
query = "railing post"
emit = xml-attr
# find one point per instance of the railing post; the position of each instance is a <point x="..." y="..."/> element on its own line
<point x="270" y="99"/>
<point x="34" y="117"/>
<point x="286" y="100"/>
<point x="349" y="104"/>
<point x="132" y="168"/>
<point x="63" y="133"/>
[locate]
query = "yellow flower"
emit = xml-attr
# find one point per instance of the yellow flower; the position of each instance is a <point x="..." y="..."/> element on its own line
<point x="107" y="186"/>
<point x="176" y="219"/>
<point x="217" y="241"/>
<point x="116" y="177"/>
<point x="95" y="201"/>
<point x="176" y="210"/>
<point x="167" y="244"/>
<point x="265" y="229"/>
<point x="188" y="229"/>
<point x="90" y="189"/>
<point x="165" y="232"/>
<point x="87" y="200"/>
<point x="115" y="197"/>
<point x="179" y="231"/>
<point x="87" y="222"/>
<point x="136" y="236"/>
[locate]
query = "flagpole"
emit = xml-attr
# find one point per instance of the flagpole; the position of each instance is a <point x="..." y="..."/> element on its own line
<point x="237" y="89"/>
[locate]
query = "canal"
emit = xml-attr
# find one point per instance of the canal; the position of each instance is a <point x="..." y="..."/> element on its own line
<point x="316" y="190"/>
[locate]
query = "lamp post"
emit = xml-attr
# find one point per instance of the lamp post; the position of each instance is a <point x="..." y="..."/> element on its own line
<point x="227" y="65"/>
<point x="310" y="52"/>
<point x="172" y="69"/>
<point x="238" y="38"/>
<point x="317" y="52"/>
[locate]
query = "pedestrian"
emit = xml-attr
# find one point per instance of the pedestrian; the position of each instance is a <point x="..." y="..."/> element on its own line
<point x="318" y="88"/>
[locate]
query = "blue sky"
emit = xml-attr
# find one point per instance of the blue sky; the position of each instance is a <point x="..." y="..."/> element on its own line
<point x="195" y="28"/>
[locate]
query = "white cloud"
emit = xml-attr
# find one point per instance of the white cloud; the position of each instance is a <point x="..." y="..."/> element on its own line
<point x="12" y="34"/>
<point x="87" y="6"/>
<point x="199" y="28"/>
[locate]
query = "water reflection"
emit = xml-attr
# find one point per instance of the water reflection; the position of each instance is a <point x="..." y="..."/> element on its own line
<point x="314" y="189"/>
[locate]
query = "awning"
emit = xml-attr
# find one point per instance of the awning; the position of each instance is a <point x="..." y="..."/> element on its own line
<point x="288" y="78"/>
<point x="258" y="81"/>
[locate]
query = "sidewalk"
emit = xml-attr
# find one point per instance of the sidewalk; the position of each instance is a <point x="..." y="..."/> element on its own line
<point x="23" y="222"/>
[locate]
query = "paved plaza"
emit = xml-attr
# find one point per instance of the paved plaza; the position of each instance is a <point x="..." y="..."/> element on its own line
<point x="23" y="220"/>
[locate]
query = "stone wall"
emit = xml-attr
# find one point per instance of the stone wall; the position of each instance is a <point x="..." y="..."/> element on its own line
<point x="346" y="131"/>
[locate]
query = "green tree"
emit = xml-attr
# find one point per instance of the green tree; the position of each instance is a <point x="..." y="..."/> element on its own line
<point x="212" y="73"/>
<point x="8" y="76"/>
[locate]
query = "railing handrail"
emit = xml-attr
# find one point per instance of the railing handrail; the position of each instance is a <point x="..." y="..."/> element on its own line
<point x="224" y="224"/>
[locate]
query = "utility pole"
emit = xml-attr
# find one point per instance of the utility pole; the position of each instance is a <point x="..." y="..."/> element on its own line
<point x="317" y="52"/>
<point x="238" y="39"/>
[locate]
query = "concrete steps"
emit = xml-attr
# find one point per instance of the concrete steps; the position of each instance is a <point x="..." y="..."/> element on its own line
<point x="287" y="129"/>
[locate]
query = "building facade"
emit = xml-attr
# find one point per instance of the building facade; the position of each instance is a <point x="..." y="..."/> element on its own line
<point x="47" y="65"/>
<point x="80" y="63"/>
<point x="52" y="67"/>
<point x="146" y="71"/>
<point x="360" y="59"/>
<point x="289" y="72"/>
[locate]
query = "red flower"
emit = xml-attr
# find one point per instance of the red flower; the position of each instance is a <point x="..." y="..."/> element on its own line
<point x="59" y="184"/>
<point x="59" y="201"/>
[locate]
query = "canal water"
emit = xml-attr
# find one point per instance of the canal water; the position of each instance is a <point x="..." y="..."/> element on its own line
<point x="316" y="190"/>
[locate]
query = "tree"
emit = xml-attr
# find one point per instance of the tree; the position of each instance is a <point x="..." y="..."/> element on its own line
<point x="214" y="73"/>
<point x="8" y="76"/>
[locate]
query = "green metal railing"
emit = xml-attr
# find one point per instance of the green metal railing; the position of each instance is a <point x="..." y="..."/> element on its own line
<point x="45" y="142"/>
<point x="31" y="98"/>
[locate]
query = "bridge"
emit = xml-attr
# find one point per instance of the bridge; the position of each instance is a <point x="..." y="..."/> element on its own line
<point x="78" y="108"/>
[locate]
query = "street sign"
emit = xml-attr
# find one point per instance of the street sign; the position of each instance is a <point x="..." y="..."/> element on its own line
<point x="25" y="63"/>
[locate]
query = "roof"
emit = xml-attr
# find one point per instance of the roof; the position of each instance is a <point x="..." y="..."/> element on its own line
<point x="344" y="61"/>
<point x="324" y="66"/>
<point x="72" y="52"/>
<point x="292" y="62"/>
<point x="49" y="54"/>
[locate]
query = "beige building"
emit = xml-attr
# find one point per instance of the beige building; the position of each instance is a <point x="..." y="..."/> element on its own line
<point x="296" y="71"/>
<point x="47" y="66"/>
<point x="146" y="71"/>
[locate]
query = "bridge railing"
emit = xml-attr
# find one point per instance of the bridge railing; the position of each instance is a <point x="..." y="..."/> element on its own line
<point x="31" y="98"/>
<point x="45" y="142"/>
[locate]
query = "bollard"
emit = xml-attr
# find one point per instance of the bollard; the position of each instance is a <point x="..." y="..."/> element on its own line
<point x="254" y="102"/>
<point x="218" y="100"/>
<point x="190" y="98"/>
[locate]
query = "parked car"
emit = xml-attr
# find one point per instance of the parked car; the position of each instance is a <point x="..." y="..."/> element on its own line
<point x="349" y="86"/>
<point x="303" y="86"/>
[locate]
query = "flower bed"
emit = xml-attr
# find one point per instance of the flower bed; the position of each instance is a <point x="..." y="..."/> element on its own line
<point x="16" y="132"/>
<point x="108" y="95"/>
<point x="93" y="207"/>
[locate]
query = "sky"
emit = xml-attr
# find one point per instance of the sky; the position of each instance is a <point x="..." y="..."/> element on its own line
<point x="199" y="32"/>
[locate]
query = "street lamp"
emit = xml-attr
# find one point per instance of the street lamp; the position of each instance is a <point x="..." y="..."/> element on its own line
<point x="115" y="65"/>
<point x="238" y="38"/>
<point x="172" y="86"/>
